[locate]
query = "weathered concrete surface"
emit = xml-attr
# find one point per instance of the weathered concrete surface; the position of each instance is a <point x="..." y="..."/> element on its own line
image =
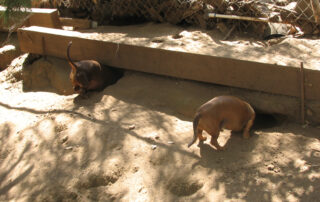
<point x="265" y="77"/>
<point x="184" y="97"/>
<point x="127" y="143"/>
<point x="176" y="95"/>
<point x="43" y="17"/>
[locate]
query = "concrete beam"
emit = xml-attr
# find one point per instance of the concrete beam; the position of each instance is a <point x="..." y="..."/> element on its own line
<point x="270" y="78"/>
<point x="39" y="17"/>
<point x="76" y="23"/>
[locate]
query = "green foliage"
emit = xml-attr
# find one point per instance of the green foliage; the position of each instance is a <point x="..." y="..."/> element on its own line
<point x="13" y="6"/>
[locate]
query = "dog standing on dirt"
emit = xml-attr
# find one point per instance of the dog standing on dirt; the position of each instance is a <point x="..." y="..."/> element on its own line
<point x="88" y="75"/>
<point x="226" y="112"/>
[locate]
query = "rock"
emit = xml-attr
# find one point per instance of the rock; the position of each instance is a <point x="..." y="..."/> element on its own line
<point x="132" y="127"/>
<point x="277" y="170"/>
<point x="177" y="36"/>
<point x="69" y="148"/>
<point x="276" y="29"/>
<point x="270" y="167"/>
<point x="7" y="54"/>
<point x="64" y="139"/>
<point x="135" y="169"/>
<point x="153" y="147"/>
<point x="140" y="189"/>
<point x="50" y="74"/>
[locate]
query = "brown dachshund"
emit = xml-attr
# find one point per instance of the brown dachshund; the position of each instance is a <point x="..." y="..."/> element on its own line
<point x="222" y="112"/>
<point x="88" y="75"/>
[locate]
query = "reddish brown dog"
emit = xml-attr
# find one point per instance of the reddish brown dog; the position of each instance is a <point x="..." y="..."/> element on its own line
<point x="87" y="75"/>
<point x="226" y="112"/>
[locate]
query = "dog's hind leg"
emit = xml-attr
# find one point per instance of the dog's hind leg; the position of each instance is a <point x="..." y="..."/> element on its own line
<point x="214" y="139"/>
<point x="247" y="128"/>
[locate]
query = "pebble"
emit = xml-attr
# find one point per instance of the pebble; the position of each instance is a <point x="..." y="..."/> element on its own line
<point x="177" y="36"/>
<point x="135" y="169"/>
<point x="69" y="148"/>
<point x="132" y="127"/>
<point x="140" y="189"/>
<point x="153" y="147"/>
<point x="277" y="170"/>
<point x="304" y="168"/>
<point x="270" y="167"/>
<point x="64" y="139"/>
<point x="170" y="142"/>
<point x="119" y="147"/>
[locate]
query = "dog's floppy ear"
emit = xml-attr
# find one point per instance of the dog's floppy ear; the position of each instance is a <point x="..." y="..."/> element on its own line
<point x="82" y="78"/>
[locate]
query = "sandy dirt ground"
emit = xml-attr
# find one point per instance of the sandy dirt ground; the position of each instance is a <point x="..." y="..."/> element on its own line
<point x="288" y="51"/>
<point x="285" y="51"/>
<point x="125" y="144"/>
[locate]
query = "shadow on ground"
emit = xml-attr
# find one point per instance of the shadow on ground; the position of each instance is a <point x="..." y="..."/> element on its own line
<point x="126" y="143"/>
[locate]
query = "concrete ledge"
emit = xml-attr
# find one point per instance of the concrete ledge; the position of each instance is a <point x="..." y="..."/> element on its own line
<point x="170" y="95"/>
<point x="39" y="17"/>
<point x="76" y="23"/>
<point x="184" y="97"/>
<point x="269" y="78"/>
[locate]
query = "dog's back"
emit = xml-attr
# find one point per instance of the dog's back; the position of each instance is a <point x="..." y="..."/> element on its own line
<point x="227" y="111"/>
<point x="222" y="112"/>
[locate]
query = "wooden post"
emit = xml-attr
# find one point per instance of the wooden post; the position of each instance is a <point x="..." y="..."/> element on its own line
<point x="302" y="93"/>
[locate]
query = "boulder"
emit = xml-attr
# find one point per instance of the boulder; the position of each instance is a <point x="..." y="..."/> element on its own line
<point x="7" y="54"/>
<point x="47" y="74"/>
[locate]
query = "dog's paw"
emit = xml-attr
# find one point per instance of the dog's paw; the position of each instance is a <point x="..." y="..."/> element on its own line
<point x="219" y="148"/>
<point x="246" y="135"/>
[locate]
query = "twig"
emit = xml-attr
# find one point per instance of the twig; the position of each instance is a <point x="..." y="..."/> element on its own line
<point x="230" y="31"/>
<point x="236" y="17"/>
<point x="302" y="92"/>
<point x="13" y="28"/>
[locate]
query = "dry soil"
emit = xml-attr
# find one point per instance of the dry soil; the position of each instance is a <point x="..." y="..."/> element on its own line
<point x="125" y="144"/>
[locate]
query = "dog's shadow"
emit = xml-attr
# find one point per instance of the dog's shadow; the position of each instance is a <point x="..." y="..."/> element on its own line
<point x="235" y="145"/>
<point x="90" y="98"/>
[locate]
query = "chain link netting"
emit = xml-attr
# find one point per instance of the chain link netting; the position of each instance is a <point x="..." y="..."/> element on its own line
<point x="301" y="14"/>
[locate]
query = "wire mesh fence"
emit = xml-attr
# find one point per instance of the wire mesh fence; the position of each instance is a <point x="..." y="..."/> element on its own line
<point x="300" y="15"/>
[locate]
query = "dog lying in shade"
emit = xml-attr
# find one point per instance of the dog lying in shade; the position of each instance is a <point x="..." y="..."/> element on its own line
<point x="90" y="75"/>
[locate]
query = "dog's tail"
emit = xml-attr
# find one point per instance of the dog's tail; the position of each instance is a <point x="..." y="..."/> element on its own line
<point x="68" y="56"/>
<point x="195" y="128"/>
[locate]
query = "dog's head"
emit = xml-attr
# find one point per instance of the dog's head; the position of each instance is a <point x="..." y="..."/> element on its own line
<point x="79" y="79"/>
